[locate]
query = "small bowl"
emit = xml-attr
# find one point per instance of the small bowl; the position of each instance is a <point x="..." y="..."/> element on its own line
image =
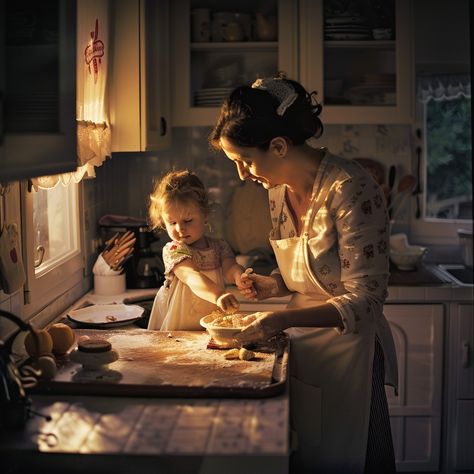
<point x="223" y="334"/>
<point x="408" y="258"/>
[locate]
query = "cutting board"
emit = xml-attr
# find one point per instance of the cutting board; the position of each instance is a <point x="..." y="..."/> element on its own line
<point x="172" y="364"/>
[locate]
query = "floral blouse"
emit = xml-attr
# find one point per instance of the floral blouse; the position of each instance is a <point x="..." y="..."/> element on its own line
<point x="209" y="258"/>
<point x="347" y="238"/>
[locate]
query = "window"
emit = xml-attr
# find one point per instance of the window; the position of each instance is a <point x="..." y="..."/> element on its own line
<point x="52" y="245"/>
<point x="448" y="159"/>
<point x="445" y="163"/>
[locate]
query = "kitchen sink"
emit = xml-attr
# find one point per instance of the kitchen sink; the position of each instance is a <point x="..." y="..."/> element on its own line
<point x="460" y="274"/>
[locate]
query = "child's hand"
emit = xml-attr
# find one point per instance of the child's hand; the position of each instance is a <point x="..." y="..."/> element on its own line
<point x="228" y="303"/>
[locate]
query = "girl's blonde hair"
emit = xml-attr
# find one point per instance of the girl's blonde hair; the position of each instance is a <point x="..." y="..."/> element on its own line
<point x="180" y="186"/>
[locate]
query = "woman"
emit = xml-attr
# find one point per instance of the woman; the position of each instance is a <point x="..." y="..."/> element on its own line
<point x="330" y="238"/>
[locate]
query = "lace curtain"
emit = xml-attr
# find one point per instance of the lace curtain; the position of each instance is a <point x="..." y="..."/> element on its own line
<point x="93" y="128"/>
<point x="443" y="87"/>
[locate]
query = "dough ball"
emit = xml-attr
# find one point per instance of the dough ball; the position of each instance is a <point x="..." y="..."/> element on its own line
<point x="62" y="336"/>
<point x="38" y="342"/>
<point x="232" y="354"/>
<point x="245" y="354"/>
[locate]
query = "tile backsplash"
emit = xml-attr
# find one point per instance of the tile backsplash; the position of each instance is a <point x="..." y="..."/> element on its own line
<point x="126" y="180"/>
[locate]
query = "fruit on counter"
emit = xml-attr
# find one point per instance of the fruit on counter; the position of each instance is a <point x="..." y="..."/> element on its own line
<point x="38" y="342"/>
<point x="47" y="364"/>
<point x="62" y="336"/>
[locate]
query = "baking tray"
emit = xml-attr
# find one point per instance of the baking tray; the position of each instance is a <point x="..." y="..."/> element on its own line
<point x="173" y="364"/>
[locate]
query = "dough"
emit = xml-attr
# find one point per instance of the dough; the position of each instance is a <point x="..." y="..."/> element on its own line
<point x="232" y="354"/>
<point x="245" y="354"/>
<point x="242" y="354"/>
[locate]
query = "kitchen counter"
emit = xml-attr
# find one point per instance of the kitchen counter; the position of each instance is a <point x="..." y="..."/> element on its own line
<point x="121" y="434"/>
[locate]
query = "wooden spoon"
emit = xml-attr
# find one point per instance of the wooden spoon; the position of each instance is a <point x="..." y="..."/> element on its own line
<point x="407" y="183"/>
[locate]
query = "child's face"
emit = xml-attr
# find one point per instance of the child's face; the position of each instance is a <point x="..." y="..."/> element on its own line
<point x="185" y="222"/>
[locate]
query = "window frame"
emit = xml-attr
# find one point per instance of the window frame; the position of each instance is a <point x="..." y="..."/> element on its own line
<point x="41" y="290"/>
<point x="428" y="230"/>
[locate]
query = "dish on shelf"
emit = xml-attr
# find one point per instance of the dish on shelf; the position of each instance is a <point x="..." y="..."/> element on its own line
<point x="347" y="28"/>
<point x="345" y="20"/>
<point x="212" y="97"/>
<point x="346" y="36"/>
<point x="109" y="315"/>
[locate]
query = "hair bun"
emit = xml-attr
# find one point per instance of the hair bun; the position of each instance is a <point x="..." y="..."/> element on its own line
<point x="316" y="107"/>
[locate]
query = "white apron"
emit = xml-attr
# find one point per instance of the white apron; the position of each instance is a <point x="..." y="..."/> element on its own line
<point x="177" y="308"/>
<point x="330" y="373"/>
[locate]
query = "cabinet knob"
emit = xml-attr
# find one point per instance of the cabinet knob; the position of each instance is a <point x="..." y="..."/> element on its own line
<point x="163" y="126"/>
<point x="465" y="354"/>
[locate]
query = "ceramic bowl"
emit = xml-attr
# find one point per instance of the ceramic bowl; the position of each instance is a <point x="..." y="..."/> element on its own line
<point x="223" y="328"/>
<point x="408" y="258"/>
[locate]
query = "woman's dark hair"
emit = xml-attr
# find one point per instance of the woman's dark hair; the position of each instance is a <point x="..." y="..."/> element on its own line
<point x="249" y="118"/>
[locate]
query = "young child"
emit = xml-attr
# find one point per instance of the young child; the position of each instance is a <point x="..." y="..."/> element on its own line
<point x="196" y="266"/>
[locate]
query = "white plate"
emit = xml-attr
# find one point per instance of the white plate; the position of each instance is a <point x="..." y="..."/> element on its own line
<point x="345" y="20"/>
<point x="106" y="314"/>
<point x="346" y="36"/>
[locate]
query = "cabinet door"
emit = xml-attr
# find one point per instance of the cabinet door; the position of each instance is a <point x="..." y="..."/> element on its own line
<point x="416" y="413"/>
<point x="465" y="348"/>
<point x="245" y="40"/>
<point x="464" y="436"/>
<point x="358" y="59"/>
<point x="139" y="98"/>
<point x="37" y="88"/>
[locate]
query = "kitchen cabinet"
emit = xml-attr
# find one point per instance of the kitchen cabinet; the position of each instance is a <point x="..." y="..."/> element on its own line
<point x="139" y="98"/>
<point x="416" y="414"/>
<point x="37" y="88"/>
<point x="237" y="43"/>
<point x="358" y="60"/>
<point x="460" y="396"/>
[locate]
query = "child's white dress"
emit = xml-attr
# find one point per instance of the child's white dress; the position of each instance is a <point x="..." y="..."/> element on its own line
<point x="176" y="307"/>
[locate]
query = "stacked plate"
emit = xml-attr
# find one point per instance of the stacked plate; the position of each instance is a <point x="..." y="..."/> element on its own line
<point x="373" y="89"/>
<point x="346" y="28"/>
<point x="211" y="97"/>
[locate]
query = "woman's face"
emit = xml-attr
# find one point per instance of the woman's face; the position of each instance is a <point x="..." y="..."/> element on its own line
<point x="185" y="222"/>
<point x="255" y="164"/>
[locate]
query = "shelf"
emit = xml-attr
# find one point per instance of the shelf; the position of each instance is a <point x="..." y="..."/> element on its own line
<point x="360" y="44"/>
<point x="237" y="45"/>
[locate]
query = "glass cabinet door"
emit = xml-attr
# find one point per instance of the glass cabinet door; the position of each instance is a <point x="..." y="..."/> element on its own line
<point x="361" y="69"/>
<point x="37" y="86"/>
<point x="218" y="47"/>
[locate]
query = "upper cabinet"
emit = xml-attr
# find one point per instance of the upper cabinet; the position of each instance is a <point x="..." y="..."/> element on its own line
<point x="217" y="46"/>
<point x="139" y="93"/>
<point x="37" y="88"/>
<point x="357" y="55"/>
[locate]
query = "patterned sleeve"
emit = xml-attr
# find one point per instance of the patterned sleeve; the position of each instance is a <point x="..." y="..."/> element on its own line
<point x="174" y="253"/>
<point x="225" y="249"/>
<point x="359" y="211"/>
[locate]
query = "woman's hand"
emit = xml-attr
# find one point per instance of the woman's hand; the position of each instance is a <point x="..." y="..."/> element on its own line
<point x="262" y="326"/>
<point x="117" y="249"/>
<point x="257" y="287"/>
<point x="228" y="303"/>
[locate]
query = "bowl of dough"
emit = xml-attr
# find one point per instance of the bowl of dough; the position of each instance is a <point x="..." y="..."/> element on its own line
<point x="224" y="327"/>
